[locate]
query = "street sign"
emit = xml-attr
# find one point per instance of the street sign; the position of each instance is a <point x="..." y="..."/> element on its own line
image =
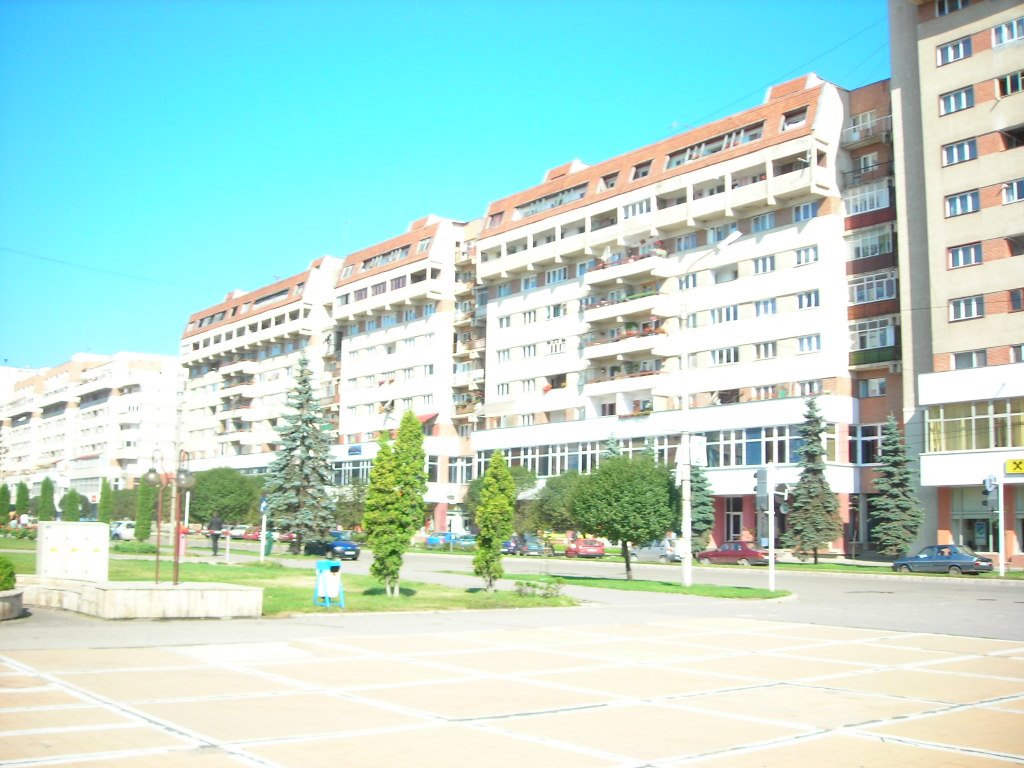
<point x="1014" y="467"/>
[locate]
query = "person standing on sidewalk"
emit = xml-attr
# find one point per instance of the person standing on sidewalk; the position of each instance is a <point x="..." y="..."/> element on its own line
<point x="214" y="527"/>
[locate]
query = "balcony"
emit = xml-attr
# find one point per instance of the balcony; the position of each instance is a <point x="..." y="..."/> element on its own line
<point x="468" y="378"/>
<point x="616" y="383"/>
<point x="867" y="175"/>
<point x="794" y="183"/>
<point x="237" y="366"/>
<point x="642" y="303"/>
<point x="874" y="356"/>
<point x="880" y="129"/>
<point x="628" y="263"/>
<point x="628" y="343"/>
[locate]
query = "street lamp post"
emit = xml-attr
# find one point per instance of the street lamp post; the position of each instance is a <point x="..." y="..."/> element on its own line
<point x="183" y="481"/>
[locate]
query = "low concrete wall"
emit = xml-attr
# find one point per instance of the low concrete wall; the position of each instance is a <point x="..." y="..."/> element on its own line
<point x="143" y="600"/>
<point x="11" y="604"/>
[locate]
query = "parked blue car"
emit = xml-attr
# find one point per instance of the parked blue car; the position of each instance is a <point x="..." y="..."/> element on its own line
<point x="953" y="559"/>
<point x="438" y="540"/>
<point x="343" y="546"/>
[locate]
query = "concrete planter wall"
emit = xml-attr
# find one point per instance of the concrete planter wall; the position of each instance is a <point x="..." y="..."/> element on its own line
<point x="11" y="604"/>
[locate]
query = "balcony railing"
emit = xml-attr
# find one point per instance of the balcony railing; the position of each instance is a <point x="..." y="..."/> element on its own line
<point x="878" y="355"/>
<point x="856" y="134"/>
<point x="866" y="175"/>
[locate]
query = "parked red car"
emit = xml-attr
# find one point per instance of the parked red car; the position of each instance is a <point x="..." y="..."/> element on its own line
<point x="584" y="548"/>
<point x="734" y="553"/>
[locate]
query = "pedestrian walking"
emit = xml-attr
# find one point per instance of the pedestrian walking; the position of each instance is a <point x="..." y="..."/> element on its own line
<point x="214" y="527"/>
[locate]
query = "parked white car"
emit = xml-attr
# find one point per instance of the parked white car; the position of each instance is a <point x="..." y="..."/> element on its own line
<point x="663" y="551"/>
<point x="122" y="530"/>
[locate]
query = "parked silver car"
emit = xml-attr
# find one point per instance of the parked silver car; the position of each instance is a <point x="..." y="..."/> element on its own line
<point x="663" y="551"/>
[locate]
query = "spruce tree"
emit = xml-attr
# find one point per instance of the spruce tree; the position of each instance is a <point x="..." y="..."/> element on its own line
<point x="895" y="511"/>
<point x="105" y="511"/>
<point x="814" y="518"/>
<point x="385" y="518"/>
<point x="22" y="504"/>
<point x="71" y="506"/>
<point x="494" y="518"/>
<point x="45" y="510"/>
<point x="410" y="470"/>
<point x="145" y="508"/>
<point x="702" y="508"/>
<point x="298" y="478"/>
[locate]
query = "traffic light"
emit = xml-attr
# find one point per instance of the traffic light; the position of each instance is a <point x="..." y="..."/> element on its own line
<point x="781" y="494"/>
<point x="761" y="489"/>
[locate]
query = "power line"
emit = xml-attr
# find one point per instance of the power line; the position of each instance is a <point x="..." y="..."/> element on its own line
<point x="91" y="268"/>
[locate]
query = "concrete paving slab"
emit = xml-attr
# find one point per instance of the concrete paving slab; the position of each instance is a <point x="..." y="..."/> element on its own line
<point x="177" y="684"/>
<point x="361" y="673"/>
<point x="61" y="717"/>
<point x="649" y="732"/>
<point x="954" y="644"/>
<point x="871" y="653"/>
<point x="86" y="659"/>
<point x="640" y="682"/>
<point x="925" y="684"/>
<point x="1007" y="668"/>
<point x="985" y="729"/>
<point x="248" y="718"/>
<point x="38" y="696"/>
<point x="842" y="751"/>
<point x="445" y="746"/>
<point x="55" y="743"/>
<point x="762" y="667"/>
<point x="204" y="757"/>
<point x="514" y="661"/>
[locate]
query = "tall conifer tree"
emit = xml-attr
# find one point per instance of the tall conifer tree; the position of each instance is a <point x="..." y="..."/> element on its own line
<point x="896" y="513"/>
<point x="494" y="519"/>
<point x="386" y="518"/>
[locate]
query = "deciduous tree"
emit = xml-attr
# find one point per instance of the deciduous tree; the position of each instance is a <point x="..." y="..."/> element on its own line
<point x="298" y="478"/>
<point x="896" y="512"/>
<point x="350" y="503"/>
<point x="814" y="517"/>
<point x="494" y="519"/>
<point x="525" y="481"/>
<point x="226" y="491"/>
<point x="71" y="506"/>
<point x="552" y="509"/>
<point x="628" y="500"/>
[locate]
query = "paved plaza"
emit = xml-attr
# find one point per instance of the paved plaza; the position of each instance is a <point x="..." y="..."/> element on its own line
<point x="581" y="692"/>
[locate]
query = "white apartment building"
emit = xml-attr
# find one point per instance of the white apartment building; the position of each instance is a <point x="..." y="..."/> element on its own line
<point x="395" y="310"/>
<point x="239" y="358"/>
<point x="93" y="418"/>
<point x="958" y="98"/>
<point x="705" y="284"/>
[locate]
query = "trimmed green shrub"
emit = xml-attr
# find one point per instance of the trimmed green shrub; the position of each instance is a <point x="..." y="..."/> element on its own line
<point x="6" y="574"/>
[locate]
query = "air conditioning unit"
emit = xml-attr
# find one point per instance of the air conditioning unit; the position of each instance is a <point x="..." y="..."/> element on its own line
<point x="895" y="367"/>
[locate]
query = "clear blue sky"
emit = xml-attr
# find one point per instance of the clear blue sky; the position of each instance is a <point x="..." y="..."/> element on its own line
<point x="156" y="155"/>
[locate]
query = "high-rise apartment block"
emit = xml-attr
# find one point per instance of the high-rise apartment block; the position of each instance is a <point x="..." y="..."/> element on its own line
<point x="93" y="418"/>
<point x="958" y="100"/>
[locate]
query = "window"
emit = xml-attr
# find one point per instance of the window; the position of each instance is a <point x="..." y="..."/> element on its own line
<point x="955" y="101"/>
<point x="503" y="355"/>
<point x="965" y="255"/>
<point x="1007" y="85"/>
<point x="808" y="388"/>
<point x="429" y="309"/>
<point x="388" y="320"/>
<point x="548" y="202"/>
<point x="725" y="314"/>
<point x="378" y="288"/>
<point x="607" y="409"/>
<point x="960" y="152"/>
<point x="636" y="209"/>
<point x="871" y="387"/>
<point x="359" y="294"/>
<point x="494" y="220"/>
<point x="870" y="197"/>
<point x="1008" y="32"/>
<point x="766" y="350"/>
<point x="805" y="211"/>
<point x="556" y="275"/>
<point x="1013" y="191"/>
<point x="764" y="222"/>
<point x="964" y="202"/>
<point x="954" y="51"/>
<point x="505" y="321"/>
<point x="1017" y="353"/>
<point x="967" y="308"/>
<point x="871" y="242"/>
<point x="504" y="289"/>
<point x="725" y="356"/>
<point x="875" y="333"/>
<point x="807" y="255"/>
<point x="764" y="264"/>
<point x="608" y="182"/>
<point x="876" y="286"/>
<point x="528" y="385"/>
<point x="529" y="350"/>
<point x="808" y="299"/>
<point x="764" y="307"/>
<point x="529" y="316"/>
<point x="791" y="120"/>
<point x="973" y="359"/>
<point x="944" y="7"/>
<point x="688" y="281"/>
<point x="423" y="245"/>
<point x="687" y="242"/>
<point x="718" y="234"/>
<point x="865" y="440"/>
<point x="528" y="283"/>
<point x="556" y="346"/>
<point x="503" y="389"/>
<point x="641" y="170"/>
<point x="810" y="343"/>
<point x="556" y="310"/>
<point x="1016" y="299"/>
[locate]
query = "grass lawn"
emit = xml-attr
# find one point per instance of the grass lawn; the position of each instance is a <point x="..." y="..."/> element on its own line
<point x="647" y="585"/>
<point x="289" y="590"/>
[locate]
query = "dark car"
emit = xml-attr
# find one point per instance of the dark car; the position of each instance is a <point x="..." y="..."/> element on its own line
<point x="734" y="553"/>
<point x="953" y="559"/>
<point x="510" y="546"/>
<point x="532" y="545"/>
<point x="342" y="546"/>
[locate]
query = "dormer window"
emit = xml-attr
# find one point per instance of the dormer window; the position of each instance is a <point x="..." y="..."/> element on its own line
<point x="641" y="170"/>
